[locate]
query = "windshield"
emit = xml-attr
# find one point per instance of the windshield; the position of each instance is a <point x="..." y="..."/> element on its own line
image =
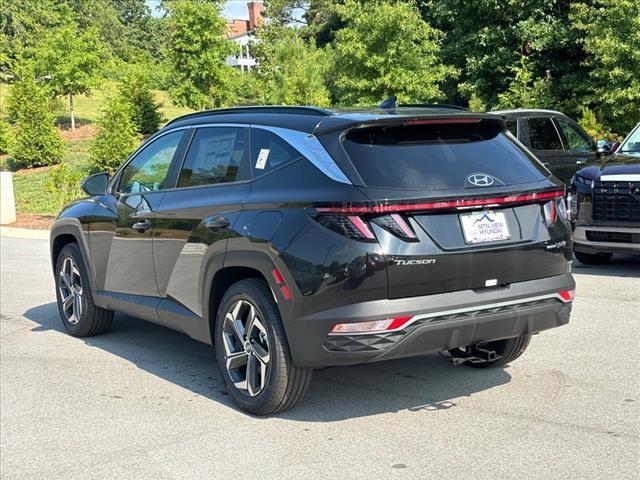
<point x="632" y="142"/>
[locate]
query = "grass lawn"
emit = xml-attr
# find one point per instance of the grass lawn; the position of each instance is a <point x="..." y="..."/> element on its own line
<point x="30" y="185"/>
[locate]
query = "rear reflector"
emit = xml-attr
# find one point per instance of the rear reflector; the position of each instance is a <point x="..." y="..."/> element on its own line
<point x="567" y="295"/>
<point x="371" y="327"/>
<point x="277" y="276"/>
<point x="445" y="204"/>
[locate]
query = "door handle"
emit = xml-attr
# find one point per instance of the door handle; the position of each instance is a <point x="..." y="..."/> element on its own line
<point x="217" y="223"/>
<point x="581" y="161"/>
<point x="141" y="226"/>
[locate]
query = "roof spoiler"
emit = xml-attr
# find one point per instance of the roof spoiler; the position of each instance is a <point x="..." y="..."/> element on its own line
<point x="391" y="104"/>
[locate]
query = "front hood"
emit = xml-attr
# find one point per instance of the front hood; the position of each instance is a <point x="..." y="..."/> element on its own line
<point x="619" y="164"/>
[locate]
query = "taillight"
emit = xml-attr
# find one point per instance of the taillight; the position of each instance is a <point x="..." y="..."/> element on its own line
<point x="350" y="226"/>
<point x="561" y="208"/>
<point x="359" y="228"/>
<point x="549" y="209"/>
<point x="395" y="224"/>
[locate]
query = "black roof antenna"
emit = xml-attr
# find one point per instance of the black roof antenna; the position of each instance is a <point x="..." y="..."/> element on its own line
<point x="390" y="103"/>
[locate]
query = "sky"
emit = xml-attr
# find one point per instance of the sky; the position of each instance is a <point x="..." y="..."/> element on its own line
<point x="232" y="8"/>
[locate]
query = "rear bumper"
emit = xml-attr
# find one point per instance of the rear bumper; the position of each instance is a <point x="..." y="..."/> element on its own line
<point x="440" y="322"/>
<point x="625" y="239"/>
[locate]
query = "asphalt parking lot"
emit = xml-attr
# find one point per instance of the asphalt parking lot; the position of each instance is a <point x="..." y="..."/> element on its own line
<point x="146" y="402"/>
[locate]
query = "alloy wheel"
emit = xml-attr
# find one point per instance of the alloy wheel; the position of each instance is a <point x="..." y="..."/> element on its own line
<point x="246" y="348"/>
<point x="70" y="287"/>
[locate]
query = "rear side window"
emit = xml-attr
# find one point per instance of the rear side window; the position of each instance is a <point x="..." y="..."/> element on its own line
<point x="543" y="134"/>
<point x="269" y="151"/>
<point x="512" y="126"/>
<point x="216" y="155"/>
<point x="437" y="157"/>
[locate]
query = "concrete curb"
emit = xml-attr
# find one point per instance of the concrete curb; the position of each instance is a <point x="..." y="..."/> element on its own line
<point x="14" y="232"/>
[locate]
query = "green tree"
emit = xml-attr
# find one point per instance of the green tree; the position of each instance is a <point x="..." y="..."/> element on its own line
<point x="525" y="91"/>
<point x="486" y="40"/>
<point x="385" y="48"/>
<point x="291" y="71"/>
<point x="5" y="132"/>
<point x="115" y="140"/>
<point x="73" y="60"/>
<point x="136" y="90"/>
<point x="197" y="51"/>
<point x="36" y="141"/>
<point x="611" y="30"/>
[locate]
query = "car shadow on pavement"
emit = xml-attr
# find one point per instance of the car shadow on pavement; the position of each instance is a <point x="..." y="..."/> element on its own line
<point x="420" y="384"/>
<point x="618" y="266"/>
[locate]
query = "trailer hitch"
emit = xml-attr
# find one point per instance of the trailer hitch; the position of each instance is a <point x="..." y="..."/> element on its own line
<point x="473" y="354"/>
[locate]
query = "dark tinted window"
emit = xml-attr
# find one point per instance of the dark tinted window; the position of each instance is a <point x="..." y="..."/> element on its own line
<point x="148" y="170"/>
<point x="269" y="151"/>
<point x="512" y="126"/>
<point x="577" y="138"/>
<point x="430" y="157"/>
<point x="543" y="135"/>
<point x="216" y="155"/>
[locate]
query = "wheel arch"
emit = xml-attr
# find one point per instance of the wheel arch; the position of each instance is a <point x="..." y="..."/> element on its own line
<point x="65" y="231"/>
<point x="240" y="265"/>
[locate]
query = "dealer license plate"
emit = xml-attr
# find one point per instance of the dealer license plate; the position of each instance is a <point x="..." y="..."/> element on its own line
<point x="484" y="226"/>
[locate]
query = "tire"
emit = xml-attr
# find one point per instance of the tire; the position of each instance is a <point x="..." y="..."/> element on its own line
<point x="256" y="386"/>
<point x="508" y="349"/>
<point x="593" y="258"/>
<point x="72" y="281"/>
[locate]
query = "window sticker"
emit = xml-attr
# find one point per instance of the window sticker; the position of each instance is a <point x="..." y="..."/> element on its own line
<point x="262" y="158"/>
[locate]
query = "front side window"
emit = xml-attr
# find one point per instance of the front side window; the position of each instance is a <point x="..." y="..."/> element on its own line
<point x="543" y="135"/>
<point x="147" y="172"/>
<point x="269" y="151"/>
<point x="577" y="139"/>
<point x="216" y="155"/>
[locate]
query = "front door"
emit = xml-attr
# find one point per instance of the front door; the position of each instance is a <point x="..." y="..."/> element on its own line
<point x="578" y="142"/>
<point x="139" y="191"/>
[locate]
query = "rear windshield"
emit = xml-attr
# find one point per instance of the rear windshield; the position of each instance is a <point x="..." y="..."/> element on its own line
<point x="437" y="157"/>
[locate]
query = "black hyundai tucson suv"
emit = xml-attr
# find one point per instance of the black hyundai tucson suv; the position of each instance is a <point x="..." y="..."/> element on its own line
<point x="294" y="238"/>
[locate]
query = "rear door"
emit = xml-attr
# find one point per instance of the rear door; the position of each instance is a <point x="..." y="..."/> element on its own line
<point x="454" y="207"/>
<point x="195" y="218"/>
<point x="544" y="140"/>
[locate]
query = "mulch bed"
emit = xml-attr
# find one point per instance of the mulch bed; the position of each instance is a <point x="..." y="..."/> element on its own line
<point x="33" y="221"/>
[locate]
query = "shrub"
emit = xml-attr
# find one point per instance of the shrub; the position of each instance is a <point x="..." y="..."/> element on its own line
<point x="589" y="122"/>
<point x="116" y="136"/>
<point x="63" y="183"/>
<point x="36" y="141"/>
<point x="5" y="131"/>
<point x="145" y="111"/>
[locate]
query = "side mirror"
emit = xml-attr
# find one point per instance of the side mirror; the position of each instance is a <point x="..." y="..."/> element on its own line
<point x="96" y="184"/>
<point x="603" y="148"/>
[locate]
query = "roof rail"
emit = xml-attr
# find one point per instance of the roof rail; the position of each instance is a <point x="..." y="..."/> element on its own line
<point x="277" y="109"/>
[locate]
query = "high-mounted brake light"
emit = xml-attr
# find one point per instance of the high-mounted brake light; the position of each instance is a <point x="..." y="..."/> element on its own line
<point x="373" y="326"/>
<point x="443" y="121"/>
<point x="445" y="204"/>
